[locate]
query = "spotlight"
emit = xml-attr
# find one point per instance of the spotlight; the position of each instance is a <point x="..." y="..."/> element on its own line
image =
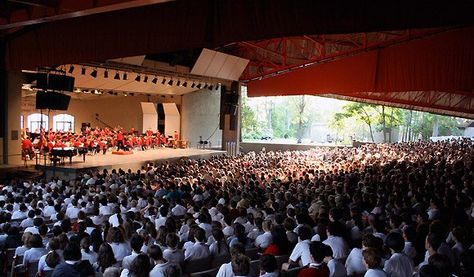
<point x="199" y="86"/>
<point x="138" y="78"/>
<point x="106" y="74"/>
<point x="83" y="71"/>
<point x="111" y="92"/>
<point x="145" y="79"/>
<point x="132" y="94"/>
<point x="124" y="76"/>
<point x="164" y="81"/>
<point x="117" y="76"/>
<point x="179" y="83"/>
<point x="125" y="94"/>
<point x="218" y="86"/>
<point x="155" y="80"/>
<point x="185" y="84"/>
<point x="170" y="83"/>
<point x="193" y="85"/>
<point x="115" y="93"/>
<point x="205" y="86"/>
<point x="71" y="69"/>
<point x="210" y="87"/>
<point x="94" y="73"/>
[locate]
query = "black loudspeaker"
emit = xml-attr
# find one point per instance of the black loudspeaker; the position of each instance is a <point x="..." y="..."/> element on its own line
<point x="52" y="101"/>
<point x="54" y="82"/>
<point x="229" y="105"/>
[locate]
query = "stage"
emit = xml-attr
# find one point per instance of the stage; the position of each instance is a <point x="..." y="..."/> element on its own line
<point x="110" y="161"/>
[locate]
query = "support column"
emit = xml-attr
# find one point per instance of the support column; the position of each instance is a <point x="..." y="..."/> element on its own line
<point x="12" y="115"/>
<point x="229" y="134"/>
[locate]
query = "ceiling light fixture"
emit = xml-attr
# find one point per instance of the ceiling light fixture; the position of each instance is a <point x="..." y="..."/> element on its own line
<point x="155" y="80"/>
<point x="170" y="83"/>
<point x="138" y="78"/>
<point x="117" y="76"/>
<point x="83" y="71"/>
<point x="145" y="79"/>
<point x="178" y="83"/>
<point x="124" y="76"/>
<point x="193" y="85"/>
<point x="210" y="87"/>
<point x="199" y="86"/>
<point x="71" y="69"/>
<point x="106" y="74"/>
<point x="205" y="86"/>
<point x="185" y="84"/>
<point x="164" y="81"/>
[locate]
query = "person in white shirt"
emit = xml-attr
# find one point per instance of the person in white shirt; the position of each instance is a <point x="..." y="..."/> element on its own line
<point x="139" y="267"/>
<point x="336" y="268"/>
<point x="73" y="210"/>
<point x="116" y="240"/>
<point x="219" y="246"/>
<point x="136" y="243"/>
<point x="240" y="265"/>
<point x="161" y="265"/>
<point x="178" y="210"/>
<point x="199" y="249"/>
<point x="116" y="219"/>
<point x="28" y="222"/>
<point x="49" y="209"/>
<point x="372" y="262"/>
<point x="172" y="254"/>
<point x="228" y="229"/>
<point x="20" y="250"/>
<point x="301" y="251"/>
<point x="36" y="251"/>
<point x="398" y="265"/>
<point x="21" y="213"/>
<point x="225" y="270"/>
<point x="86" y="253"/>
<point x="54" y="245"/>
<point x="336" y="242"/>
<point x="104" y="209"/>
<point x="409" y="235"/>
<point x="160" y="221"/>
<point x="265" y="239"/>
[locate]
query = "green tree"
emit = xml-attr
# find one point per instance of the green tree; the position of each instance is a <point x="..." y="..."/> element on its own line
<point x="361" y="111"/>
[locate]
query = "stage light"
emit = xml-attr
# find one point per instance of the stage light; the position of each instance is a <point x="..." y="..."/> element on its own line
<point x="125" y="94"/>
<point x="106" y="74"/>
<point x="132" y="94"/>
<point x="185" y="84"/>
<point x="145" y="79"/>
<point x="205" y="86"/>
<point x="111" y="92"/>
<point x="94" y="73"/>
<point x="71" y="69"/>
<point x="210" y="87"/>
<point x="178" y="83"/>
<point x="124" y="76"/>
<point x="170" y="83"/>
<point x="117" y="76"/>
<point x="164" y="81"/>
<point x="83" y="71"/>
<point x="199" y="86"/>
<point x="138" y="78"/>
<point x="218" y="86"/>
<point x="193" y="85"/>
<point x="155" y="80"/>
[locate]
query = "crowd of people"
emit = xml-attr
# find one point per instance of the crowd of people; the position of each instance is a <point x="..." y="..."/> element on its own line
<point x="93" y="140"/>
<point x="376" y="210"/>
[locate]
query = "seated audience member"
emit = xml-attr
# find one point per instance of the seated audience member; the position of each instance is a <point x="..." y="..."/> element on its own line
<point x="268" y="266"/>
<point x="301" y="253"/>
<point x="225" y="270"/>
<point x="172" y="253"/>
<point x="199" y="249"/>
<point x="105" y="258"/>
<point x="50" y="260"/>
<point x="139" y="267"/>
<point x="398" y="264"/>
<point x="86" y="252"/>
<point x="240" y="265"/>
<point x="136" y="243"/>
<point x="160" y="264"/>
<point x="373" y="262"/>
<point x="336" y="268"/>
<point x="36" y="250"/>
<point x="72" y="265"/>
<point x="317" y="267"/>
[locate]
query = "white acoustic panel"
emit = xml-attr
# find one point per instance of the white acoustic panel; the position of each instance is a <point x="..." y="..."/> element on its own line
<point x="135" y="60"/>
<point x="219" y="65"/>
<point x="172" y="119"/>
<point x="150" y="117"/>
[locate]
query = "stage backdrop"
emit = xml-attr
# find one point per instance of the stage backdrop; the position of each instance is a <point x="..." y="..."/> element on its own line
<point x="150" y="116"/>
<point x="172" y="119"/>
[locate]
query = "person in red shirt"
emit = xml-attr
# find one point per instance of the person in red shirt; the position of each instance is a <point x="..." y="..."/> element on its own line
<point x="317" y="268"/>
<point x="120" y="141"/>
<point x="27" y="148"/>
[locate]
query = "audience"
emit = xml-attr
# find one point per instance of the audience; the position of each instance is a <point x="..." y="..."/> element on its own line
<point x="376" y="210"/>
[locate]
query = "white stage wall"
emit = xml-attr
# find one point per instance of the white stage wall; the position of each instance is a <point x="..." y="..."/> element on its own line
<point x="150" y="117"/>
<point x="172" y="119"/>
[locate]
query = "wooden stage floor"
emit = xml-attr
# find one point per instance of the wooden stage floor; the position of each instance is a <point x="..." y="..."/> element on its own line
<point x="134" y="161"/>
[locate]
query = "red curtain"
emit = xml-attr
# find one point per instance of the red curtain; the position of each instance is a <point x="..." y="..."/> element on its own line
<point x="443" y="62"/>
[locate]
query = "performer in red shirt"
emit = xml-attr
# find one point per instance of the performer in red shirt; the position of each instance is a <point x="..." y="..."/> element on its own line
<point x="120" y="141"/>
